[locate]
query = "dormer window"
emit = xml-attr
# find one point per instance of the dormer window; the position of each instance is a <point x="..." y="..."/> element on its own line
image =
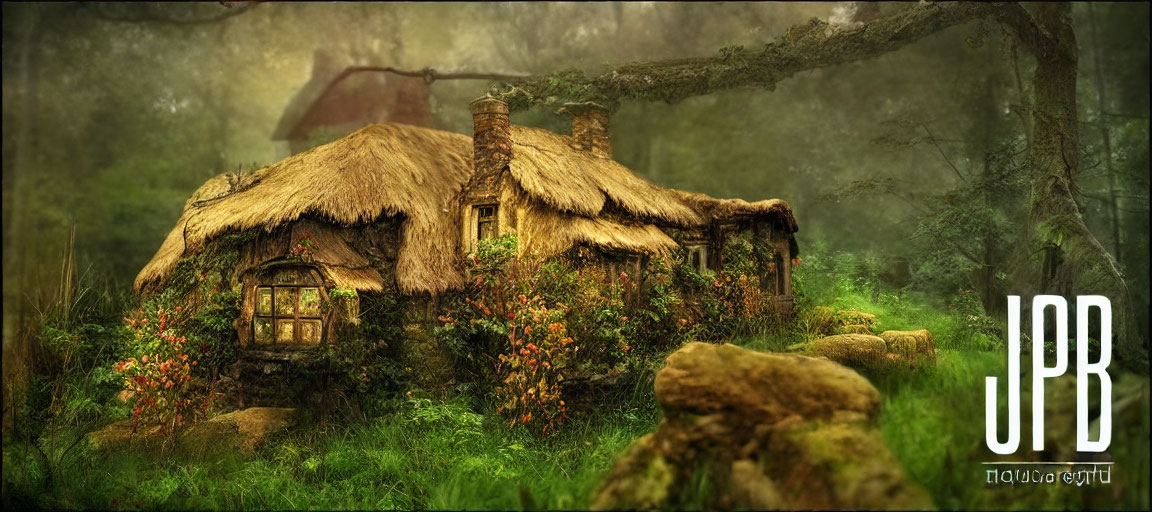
<point x="485" y="221"/>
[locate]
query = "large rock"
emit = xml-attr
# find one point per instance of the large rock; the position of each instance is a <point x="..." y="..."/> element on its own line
<point x="767" y="431"/>
<point x="239" y="430"/>
<point x="702" y="378"/>
<point x="121" y="433"/>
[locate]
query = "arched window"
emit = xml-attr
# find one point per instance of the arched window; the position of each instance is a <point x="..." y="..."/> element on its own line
<point x="288" y="308"/>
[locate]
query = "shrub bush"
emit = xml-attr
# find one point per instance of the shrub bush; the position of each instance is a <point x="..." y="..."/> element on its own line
<point x="159" y="371"/>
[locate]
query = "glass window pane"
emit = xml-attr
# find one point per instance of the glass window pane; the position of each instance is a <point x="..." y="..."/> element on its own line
<point x="285" y="331"/>
<point x="262" y="331"/>
<point x="285" y="301"/>
<point x="310" y="331"/>
<point x="309" y="302"/>
<point x="264" y="300"/>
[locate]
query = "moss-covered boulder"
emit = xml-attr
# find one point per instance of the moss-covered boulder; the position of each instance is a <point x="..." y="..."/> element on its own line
<point x="753" y="430"/>
<point x="826" y="321"/>
<point x="122" y="433"/>
<point x="854" y="350"/>
<point x="243" y="430"/>
<point x="912" y="347"/>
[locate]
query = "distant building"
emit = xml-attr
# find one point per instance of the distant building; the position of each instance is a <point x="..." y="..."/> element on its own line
<point x="323" y="111"/>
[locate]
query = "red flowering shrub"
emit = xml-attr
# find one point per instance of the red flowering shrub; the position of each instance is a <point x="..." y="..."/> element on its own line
<point x="531" y="372"/>
<point x="160" y="373"/>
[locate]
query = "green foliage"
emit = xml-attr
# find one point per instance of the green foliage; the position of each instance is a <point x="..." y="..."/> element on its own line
<point x="341" y="293"/>
<point x="730" y="302"/>
<point x="973" y="328"/>
<point x="368" y="358"/>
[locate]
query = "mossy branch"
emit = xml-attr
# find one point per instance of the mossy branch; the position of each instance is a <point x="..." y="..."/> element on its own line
<point x="815" y="44"/>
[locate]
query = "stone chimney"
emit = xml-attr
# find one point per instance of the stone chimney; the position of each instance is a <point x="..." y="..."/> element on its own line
<point x="590" y="127"/>
<point x="491" y="145"/>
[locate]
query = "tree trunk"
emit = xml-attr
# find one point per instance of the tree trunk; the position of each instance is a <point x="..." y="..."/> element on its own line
<point x="1074" y="260"/>
<point x="1105" y="133"/>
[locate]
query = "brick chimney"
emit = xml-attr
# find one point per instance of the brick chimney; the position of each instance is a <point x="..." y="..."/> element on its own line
<point x="492" y="147"/>
<point x="590" y="127"/>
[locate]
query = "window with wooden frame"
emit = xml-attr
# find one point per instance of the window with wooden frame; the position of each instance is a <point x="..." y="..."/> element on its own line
<point x="698" y="257"/>
<point x="288" y="308"/>
<point x="780" y="284"/>
<point x="485" y="221"/>
<point x="623" y="264"/>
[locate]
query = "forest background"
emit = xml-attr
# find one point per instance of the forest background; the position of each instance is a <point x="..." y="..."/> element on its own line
<point x="906" y="171"/>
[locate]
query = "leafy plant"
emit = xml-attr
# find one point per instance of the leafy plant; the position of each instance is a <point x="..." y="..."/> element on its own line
<point x="159" y="372"/>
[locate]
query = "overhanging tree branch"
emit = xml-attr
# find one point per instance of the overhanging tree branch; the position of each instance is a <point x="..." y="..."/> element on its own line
<point x="813" y="45"/>
<point x="152" y="18"/>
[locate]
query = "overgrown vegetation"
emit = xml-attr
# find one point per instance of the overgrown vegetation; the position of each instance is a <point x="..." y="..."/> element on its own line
<point x="524" y="327"/>
<point x="423" y="451"/>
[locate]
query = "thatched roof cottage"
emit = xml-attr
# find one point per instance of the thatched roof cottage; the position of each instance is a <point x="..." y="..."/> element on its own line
<point x="394" y="208"/>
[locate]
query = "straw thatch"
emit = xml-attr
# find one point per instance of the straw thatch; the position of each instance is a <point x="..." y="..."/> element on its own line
<point x="382" y="169"/>
<point x="547" y="232"/>
<point x="712" y="208"/>
<point x="548" y="167"/>
<point x="333" y="252"/>
<point x="409" y="179"/>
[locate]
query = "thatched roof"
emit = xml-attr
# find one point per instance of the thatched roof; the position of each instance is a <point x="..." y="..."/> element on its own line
<point x="712" y="208"/>
<point x="415" y="174"/>
<point x="332" y="253"/>
<point x="548" y="232"/>
<point x="382" y="169"/>
<point x="575" y="181"/>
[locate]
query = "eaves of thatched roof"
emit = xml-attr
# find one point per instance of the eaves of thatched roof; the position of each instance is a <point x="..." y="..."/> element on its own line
<point x="719" y="209"/>
<point x="550" y="169"/>
<point x="548" y="232"/>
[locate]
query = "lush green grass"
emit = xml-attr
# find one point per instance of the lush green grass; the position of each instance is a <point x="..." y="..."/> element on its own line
<point x="437" y="455"/>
